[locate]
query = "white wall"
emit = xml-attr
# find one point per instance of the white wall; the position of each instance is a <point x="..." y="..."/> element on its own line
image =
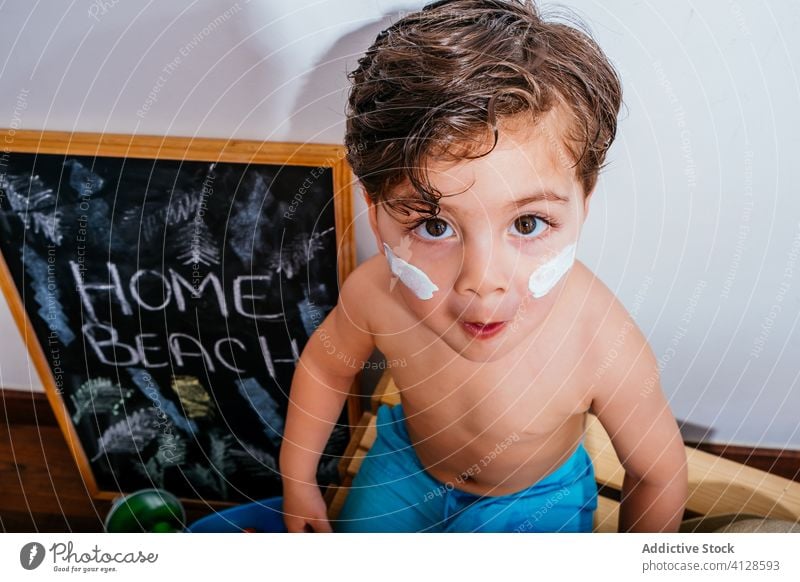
<point x="696" y="222"/>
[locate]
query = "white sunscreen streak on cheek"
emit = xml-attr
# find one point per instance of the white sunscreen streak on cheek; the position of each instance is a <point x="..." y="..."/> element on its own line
<point x="412" y="277"/>
<point x="545" y="277"/>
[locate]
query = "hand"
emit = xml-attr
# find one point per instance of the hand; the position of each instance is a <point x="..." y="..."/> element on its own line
<point x="304" y="509"/>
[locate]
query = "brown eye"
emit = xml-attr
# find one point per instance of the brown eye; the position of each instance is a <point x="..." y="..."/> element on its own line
<point x="435" y="227"/>
<point x="531" y="226"/>
<point x="525" y="224"/>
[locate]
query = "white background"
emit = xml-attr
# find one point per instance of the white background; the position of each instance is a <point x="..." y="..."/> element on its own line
<point x="693" y="222"/>
<point x="486" y="556"/>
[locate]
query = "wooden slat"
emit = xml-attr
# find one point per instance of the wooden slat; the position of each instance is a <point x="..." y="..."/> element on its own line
<point x="385" y="388"/>
<point x="370" y="432"/>
<point x="716" y="485"/>
<point x="778" y="461"/>
<point x="391" y="396"/>
<point x="330" y="493"/>
<point x="606" y="517"/>
<point x="353" y="445"/>
<point x="337" y="501"/>
<point x="608" y="470"/>
<point x="172" y="147"/>
<point x="355" y="462"/>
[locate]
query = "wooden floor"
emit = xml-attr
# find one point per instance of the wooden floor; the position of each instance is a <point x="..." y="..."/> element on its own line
<point x="38" y="490"/>
<point x="41" y="489"/>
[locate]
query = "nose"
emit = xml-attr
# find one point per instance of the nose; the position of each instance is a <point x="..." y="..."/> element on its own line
<point x="482" y="269"/>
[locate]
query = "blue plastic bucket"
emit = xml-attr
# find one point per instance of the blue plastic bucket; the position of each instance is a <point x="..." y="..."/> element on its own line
<point x="265" y="516"/>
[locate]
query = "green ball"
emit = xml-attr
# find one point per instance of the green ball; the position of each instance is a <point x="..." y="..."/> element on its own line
<point x="147" y="510"/>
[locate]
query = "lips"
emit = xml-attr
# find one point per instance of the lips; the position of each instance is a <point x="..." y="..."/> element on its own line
<point x="483" y="330"/>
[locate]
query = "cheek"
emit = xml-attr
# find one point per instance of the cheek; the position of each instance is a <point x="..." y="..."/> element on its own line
<point x="416" y="284"/>
<point x="417" y="280"/>
<point x="547" y="276"/>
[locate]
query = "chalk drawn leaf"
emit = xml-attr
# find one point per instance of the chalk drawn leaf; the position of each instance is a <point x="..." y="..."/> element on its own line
<point x="203" y="479"/>
<point x="152" y="471"/>
<point x="255" y="461"/>
<point x="129" y="435"/>
<point x="99" y="396"/>
<point x="151" y="219"/>
<point x="171" y="448"/>
<point x="48" y="224"/>
<point x="199" y="247"/>
<point x="221" y="462"/>
<point x="297" y="253"/>
<point x="27" y="193"/>
<point x="265" y="406"/>
<point x="248" y="219"/>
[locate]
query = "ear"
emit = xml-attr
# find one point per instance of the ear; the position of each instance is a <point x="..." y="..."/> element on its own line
<point x="372" y="213"/>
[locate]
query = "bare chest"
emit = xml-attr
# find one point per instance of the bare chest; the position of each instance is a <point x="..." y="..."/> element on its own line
<point x="460" y="414"/>
<point x="532" y="394"/>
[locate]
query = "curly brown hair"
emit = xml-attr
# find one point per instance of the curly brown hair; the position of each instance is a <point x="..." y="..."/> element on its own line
<point x="434" y="84"/>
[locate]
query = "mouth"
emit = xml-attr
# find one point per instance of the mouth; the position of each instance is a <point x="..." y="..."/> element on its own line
<point x="483" y="330"/>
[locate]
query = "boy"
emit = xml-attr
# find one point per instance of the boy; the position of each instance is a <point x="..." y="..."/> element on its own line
<point x="484" y="129"/>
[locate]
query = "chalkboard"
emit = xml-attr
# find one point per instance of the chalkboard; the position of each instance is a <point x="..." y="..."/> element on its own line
<point x="165" y="288"/>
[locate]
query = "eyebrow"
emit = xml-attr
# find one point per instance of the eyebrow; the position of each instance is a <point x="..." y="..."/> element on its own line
<point x="539" y="196"/>
<point x="542" y="195"/>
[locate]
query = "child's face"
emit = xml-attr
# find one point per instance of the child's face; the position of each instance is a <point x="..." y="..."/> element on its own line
<point x="489" y="256"/>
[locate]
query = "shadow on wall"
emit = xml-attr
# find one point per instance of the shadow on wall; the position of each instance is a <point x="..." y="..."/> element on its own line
<point x="323" y="93"/>
<point x="324" y="96"/>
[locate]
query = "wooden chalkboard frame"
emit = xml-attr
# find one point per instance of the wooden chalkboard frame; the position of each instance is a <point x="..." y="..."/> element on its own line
<point x="181" y="149"/>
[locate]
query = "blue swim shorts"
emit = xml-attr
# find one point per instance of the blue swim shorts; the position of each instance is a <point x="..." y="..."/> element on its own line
<point x="393" y="492"/>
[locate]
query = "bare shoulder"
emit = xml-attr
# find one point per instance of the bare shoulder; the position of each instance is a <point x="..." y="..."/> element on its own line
<point x="597" y="299"/>
<point x="618" y="351"/>
<point x="363" y="294"/>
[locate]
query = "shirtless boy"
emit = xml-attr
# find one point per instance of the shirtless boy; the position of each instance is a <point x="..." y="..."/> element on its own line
<point x="485" y="129"/>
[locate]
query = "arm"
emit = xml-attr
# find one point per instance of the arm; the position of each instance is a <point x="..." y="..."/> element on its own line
<point x="322" y="380"/>
<point x="631" y="407"/>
